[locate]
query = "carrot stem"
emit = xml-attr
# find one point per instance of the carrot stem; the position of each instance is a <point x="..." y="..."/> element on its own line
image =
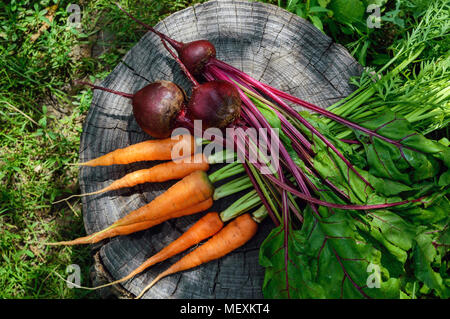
<point x="226" y="171"/>
<point x="232" y="187"/>
<point x="260" y="214"/>
<point x="242" y="205"/>
<point x="224" y="156"/>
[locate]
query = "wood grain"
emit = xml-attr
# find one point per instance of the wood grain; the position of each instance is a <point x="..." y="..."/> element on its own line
<point x="264" y="41"/>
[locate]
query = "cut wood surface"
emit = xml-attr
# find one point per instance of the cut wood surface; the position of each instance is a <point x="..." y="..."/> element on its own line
<point x="264" y="41"/>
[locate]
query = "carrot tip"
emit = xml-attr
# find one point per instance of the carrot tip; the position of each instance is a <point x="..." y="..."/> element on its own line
<point x="65" y="199"/>
<point x="145" y="290"/>
<point x="74" y="284"/>
<point x="59" y="243"/>
<point x="81" y="195"/>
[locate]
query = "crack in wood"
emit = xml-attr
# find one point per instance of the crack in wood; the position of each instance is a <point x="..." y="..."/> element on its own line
<point x="135" y="72"/>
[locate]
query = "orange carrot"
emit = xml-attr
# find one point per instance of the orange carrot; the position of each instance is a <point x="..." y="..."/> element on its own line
<point x="191" y="190"/>
<point x="186" y="193"/>
<point x="150" y="150"/>
<point x="158" y="173"/>
<point x="129" y="229"/>
<point x="204" y="228"/>
<point x="233" y="235"/>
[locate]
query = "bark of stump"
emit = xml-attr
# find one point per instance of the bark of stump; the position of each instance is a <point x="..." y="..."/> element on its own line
<point x="264" y="41"/>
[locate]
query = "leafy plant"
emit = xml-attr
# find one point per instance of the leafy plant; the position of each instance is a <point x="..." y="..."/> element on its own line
<point x="314" y="11"/>
<point x="366" y="27"/>
<point x="400" y="252"/>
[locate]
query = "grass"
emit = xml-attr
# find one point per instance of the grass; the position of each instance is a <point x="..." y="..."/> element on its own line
<point x="41" y="116"/>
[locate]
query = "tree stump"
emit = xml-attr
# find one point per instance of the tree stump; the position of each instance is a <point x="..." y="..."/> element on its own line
<point x="264" y="41"/>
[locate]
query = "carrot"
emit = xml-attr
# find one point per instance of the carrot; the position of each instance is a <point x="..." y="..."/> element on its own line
<point x="233" y="235"/>
<point x="150" y="150"/>
<point x="129" y="229"/>
<point x="204" y="228"/>
<point x="158" y="173"/>
<point x="186" y="193"/>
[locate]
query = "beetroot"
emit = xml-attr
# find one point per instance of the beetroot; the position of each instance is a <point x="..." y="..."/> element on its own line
<point x="196" y="54"/>
<point x="157" y="106"/>
<point x="161" y="106"/>
<point x="217" y="103"/>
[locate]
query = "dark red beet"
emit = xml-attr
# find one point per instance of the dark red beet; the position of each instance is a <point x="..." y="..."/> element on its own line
<point x="157" y="106"/>
<point x="158" y="111"/>
<point x="216" y="103"/>
<point x="196" y="54"/>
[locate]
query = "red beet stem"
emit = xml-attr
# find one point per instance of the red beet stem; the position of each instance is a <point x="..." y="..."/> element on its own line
<point x="280" y="94"/>
<point x="127" y="95"/>
<point x="261" y="195"/>
<point x="288" y="109"/>
<point x="178" y="46"/>
<point x="259" y="118"/>
<point x="181" y="64"/>
<point x="175" y="44"/>
<point x="183" y="121"/>
<point x="338" y="206"/>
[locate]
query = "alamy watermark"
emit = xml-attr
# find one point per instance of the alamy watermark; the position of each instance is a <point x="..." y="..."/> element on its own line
<point x="74" y="276"/>
<point x="74" y="19"/>
<point x="374" y="19"/>
<point x="374" y="279"/>
<point x="255" y="146"/>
